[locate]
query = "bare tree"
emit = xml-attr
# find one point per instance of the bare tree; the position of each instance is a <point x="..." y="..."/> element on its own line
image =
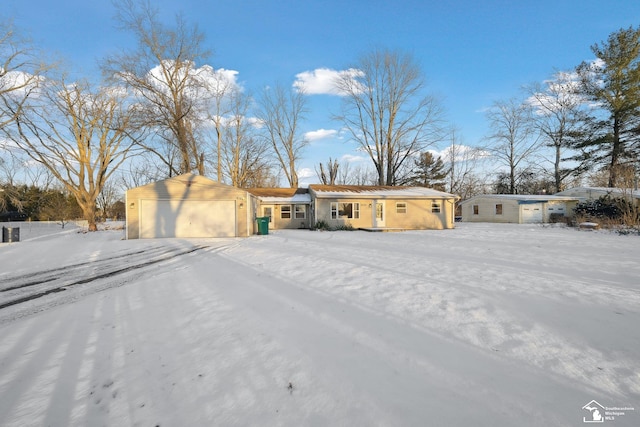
<point x="513" y="139"/>
<point x="558" y="116"/>
<point x="328" y="175"/>
<point x="387" y="112"/>
<point x="281" y="111"/>
<point x="21" y="69"/>
<point x="107" y="198"/>
<point x="244" y="155"/>
<point x="80" y="134"/>
<point x="463" y="163"/>
<point x="222" y="91"/>
<point x="144" y="170"/>
<point x="162" y="74"/>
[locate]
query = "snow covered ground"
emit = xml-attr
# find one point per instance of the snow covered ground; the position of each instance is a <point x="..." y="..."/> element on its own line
<point x="484" y="325"/>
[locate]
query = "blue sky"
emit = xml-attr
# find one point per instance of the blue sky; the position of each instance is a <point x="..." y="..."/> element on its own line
<point x="472" y="52"/>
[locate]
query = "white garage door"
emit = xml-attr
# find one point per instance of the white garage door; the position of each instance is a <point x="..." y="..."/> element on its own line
<point x="531" y="213"/>
<point x="187" y="218"/>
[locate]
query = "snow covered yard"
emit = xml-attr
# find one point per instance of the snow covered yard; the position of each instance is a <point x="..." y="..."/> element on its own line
<point x="483" y="325"/>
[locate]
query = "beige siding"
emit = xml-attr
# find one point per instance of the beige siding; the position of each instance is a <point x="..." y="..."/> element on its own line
<point x="191" y="187"/>
<point x="512" y="210"/>
<point x="418" y="214"/>
<point x="278" y="222"/>
<point x="292" y="222"/>
<point x="487" y="211"/>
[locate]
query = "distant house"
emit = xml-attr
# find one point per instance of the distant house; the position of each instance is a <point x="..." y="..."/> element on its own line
<point x="516" y="208"/>
<point x="382" y="207"/>
<point x="188" y="206"/>
<point x="285" y="207"/>
<point x="593" y="193"/>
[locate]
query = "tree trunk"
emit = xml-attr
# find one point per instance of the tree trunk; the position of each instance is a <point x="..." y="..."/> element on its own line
<point x="89" y="212"/>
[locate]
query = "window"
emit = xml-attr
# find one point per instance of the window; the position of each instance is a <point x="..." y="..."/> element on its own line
<point x="475" y="209"/>
<point x="345" y="210"/>
<point x="300" y="212"/>
<point x="401" y="208"/>
<point x="499" y="209"/>
<point x="435" y="207"/>
<point x="285" y="212"/>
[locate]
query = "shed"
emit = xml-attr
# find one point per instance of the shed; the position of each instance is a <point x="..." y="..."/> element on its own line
<point x="187" y="206"/>
<point x="382" y="207"/>
<point x="285" y="207"/>
<point x="516" y="208"/>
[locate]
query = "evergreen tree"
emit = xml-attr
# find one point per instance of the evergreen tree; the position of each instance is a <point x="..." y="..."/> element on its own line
<point x="428" y="171"/>
<point x="612" y="82"/>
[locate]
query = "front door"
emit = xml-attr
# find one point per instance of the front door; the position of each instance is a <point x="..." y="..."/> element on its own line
<point x="378" y="214"/>
<point x="268" y="211"/>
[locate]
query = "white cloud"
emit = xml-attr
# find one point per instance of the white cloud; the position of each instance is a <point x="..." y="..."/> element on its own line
<point x="460" y="153"/>
<point x="322" y="81"/>
<point x="306" y="173"/>
<point x="319" y="134"/>
<point x="561" y="93"/>
<point x="350" y="158"/>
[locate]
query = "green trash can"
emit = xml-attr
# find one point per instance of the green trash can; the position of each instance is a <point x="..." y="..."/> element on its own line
<point x="263" y="225"/>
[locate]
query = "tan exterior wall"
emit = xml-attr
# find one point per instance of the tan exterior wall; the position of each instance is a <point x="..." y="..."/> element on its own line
<point x="511" y="210"/>
<point x="417" y="215"/>
<point x="194" y="188"/>
<point x="487" y="209"/>
<point x="279" y="223"/>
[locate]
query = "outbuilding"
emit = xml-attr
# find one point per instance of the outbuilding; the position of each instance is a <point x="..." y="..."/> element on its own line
<point x="517" y="208"/>
<point x="188" y="205"/>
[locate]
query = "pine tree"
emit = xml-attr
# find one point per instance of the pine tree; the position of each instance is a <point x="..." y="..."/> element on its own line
<point x="428" y="171"/>
<point x="612" y="82"/>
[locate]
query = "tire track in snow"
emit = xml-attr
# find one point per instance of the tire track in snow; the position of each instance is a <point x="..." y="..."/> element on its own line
<point x="81" y="276"/>
<point x="44" y="276"/>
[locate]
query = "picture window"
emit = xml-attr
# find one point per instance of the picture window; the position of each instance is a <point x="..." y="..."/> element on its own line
<point x="345" y="210"/>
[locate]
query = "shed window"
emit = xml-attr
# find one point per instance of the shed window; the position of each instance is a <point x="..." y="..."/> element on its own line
<point x="435" y="207"/>
<point x="476" y="209"/>
<point x="401" y="208"/>
<point x="345" y="210"/>
<point x="300" y="212"/>
<point x="499" y="209"/>
<point x="285" y="212"/>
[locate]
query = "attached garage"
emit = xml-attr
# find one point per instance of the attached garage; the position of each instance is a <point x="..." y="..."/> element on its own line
<point x="187" y="206"/>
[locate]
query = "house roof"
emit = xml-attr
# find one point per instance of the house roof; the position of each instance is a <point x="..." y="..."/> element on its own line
<point x="595" y="192"/>
<point x="376" y="191"/>
<point x="282" y="195"/>
<point x="522" y="198"/>
<point x="189" y="179"/>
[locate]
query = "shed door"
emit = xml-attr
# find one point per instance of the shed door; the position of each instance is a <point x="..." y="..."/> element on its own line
<point x="531" y="213"/>
<point x="187" y="218"/>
